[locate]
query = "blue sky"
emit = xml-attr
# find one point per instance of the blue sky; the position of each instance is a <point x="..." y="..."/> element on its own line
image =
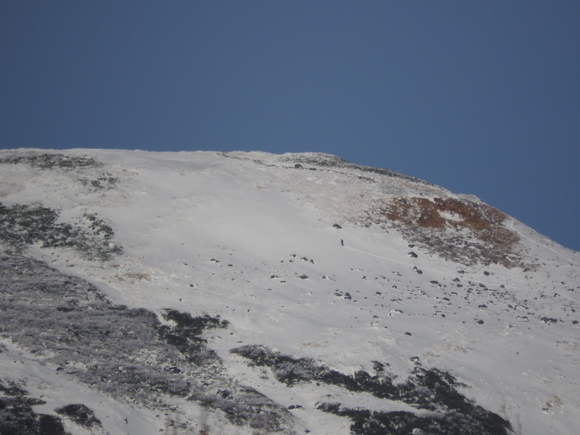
<point x="478" y="97"/>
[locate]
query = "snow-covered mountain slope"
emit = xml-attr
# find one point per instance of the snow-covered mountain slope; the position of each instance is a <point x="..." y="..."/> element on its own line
<point x="243" y="293"/>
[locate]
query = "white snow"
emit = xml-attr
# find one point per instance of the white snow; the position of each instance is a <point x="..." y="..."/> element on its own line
<point x="223" y="234"/>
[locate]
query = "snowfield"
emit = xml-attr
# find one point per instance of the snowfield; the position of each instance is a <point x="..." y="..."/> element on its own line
<point x="252" y="293"/>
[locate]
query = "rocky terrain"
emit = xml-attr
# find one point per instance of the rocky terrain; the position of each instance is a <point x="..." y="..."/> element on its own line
<point x="254" y="293"/>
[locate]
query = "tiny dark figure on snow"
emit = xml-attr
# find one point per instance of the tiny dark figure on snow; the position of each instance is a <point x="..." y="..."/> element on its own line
<point x="341" y="242"/>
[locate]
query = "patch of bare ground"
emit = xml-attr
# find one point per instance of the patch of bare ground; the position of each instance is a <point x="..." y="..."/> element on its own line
<point x="455" y="229"/>
<point x="134" y="276"/>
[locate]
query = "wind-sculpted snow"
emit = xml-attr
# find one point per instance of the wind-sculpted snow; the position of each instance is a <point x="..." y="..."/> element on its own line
<point x="394" y="305"/>
<point x="67" y="323"/>
<point x="425" y="389"/>
<point x="456" y="229"/>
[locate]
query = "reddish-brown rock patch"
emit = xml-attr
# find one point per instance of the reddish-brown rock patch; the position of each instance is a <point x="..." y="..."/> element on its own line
<point x="456" y="229"/>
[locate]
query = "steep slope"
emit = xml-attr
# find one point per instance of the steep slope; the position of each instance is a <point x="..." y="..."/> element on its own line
<point x="257" y="293"/>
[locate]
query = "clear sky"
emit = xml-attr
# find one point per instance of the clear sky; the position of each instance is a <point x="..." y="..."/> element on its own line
<point x="480" y="97"/>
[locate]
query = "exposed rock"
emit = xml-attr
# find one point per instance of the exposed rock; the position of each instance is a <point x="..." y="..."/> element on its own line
<point x="80" y="414"/>
<point x="479" y="236"/>
<point x="102" y="345"/>
<point x="427" y="389"/>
